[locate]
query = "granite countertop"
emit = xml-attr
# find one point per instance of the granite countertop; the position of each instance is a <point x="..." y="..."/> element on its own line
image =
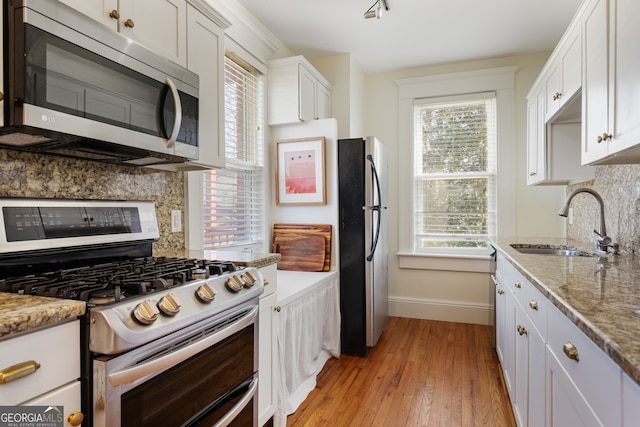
<point x="241" y="258"/>
<point x="600" y="294"/>
<point x="20" y="313"/>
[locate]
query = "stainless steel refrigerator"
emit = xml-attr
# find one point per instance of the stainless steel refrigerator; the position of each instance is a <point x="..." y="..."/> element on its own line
<point x="364" y="290"/>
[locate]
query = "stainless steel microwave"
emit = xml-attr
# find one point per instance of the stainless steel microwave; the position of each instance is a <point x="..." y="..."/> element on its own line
<point x="74" y="87"/>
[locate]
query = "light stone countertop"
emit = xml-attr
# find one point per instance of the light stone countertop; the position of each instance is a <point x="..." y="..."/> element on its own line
<point x="599" y="294"/>
<point x="21" y="313"/>
<point x="240" y="258"/>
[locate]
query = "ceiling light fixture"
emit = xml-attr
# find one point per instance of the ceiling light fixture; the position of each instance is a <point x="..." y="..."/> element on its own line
<point x="377" y="12"/>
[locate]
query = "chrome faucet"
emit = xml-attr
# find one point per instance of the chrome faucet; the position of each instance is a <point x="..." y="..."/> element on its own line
<point x="604" y="242"/>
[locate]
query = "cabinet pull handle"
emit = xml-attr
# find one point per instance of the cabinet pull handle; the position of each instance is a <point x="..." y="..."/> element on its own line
<point x="75" y="418"/>
<point x="500" y="292"/>
<point x="604" y="137"/>
<point x="277" y="308"/>
<point x="129" y="23"/>
<point x="265" y="282"/>
<point x="522" y="330"/>
<point x="114" y="14"/>
<point x="533" y="304"/>
<point x="557" y="96"/>
<point x="571" y="351"/>
<point x="518" y="285"/>
<point x="20" y="370"/>
<point x="1" y="96"/>
<point x="533" y="173"/>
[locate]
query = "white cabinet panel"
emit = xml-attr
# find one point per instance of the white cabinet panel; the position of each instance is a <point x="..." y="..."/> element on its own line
<point x="57" y="352"/>
<point x="67" y="396"/>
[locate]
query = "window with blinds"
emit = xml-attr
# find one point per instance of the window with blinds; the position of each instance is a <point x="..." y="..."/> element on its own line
<point x="455" y="144"/>
<point x="234" y="196"/>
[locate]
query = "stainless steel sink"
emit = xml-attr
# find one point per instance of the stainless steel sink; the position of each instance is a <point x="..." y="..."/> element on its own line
<point x="549" y="250"/>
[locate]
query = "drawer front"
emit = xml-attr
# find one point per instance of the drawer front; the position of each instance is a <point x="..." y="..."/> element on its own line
<point x="518" y="285"/>
<point x="56" y="350"/>
<point x="597" y="377"/>
<point x="270" y="275"/>
<point x="67" y="396"/>
<point x="536" y="307"/>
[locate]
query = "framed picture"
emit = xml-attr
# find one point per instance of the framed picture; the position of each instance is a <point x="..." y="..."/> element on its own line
<point x="300" y="178"/>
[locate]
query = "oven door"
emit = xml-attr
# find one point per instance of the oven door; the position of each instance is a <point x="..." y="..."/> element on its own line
<point x="202" y="375"/>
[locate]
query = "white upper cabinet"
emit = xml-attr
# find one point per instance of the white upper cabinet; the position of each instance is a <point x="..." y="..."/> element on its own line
<point x="206" y="58"/>
<point x="565" y="78"/>
<point x="159" y="25"/>
<point x="554" y="115"/>
<point x="611" y="85"/>
<point x="297" y="92"/>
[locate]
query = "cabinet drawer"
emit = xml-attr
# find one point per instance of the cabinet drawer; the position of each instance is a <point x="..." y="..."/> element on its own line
<point x="596" y="376"/>
<point x="270" y="275"/>
<point x="536" y="307"/>
<point x="56" y="349"/>
<point x="518" y="285"/>
<point x="67" y="396"/>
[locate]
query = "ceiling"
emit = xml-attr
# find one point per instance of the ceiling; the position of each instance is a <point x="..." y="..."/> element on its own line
<point x="415" y="33"/>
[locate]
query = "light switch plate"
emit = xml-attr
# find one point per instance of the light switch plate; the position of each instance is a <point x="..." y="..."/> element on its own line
<point x="176" y="221"/>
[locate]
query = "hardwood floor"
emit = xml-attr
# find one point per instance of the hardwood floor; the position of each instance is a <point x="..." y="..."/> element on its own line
<point x="421" y="373"/>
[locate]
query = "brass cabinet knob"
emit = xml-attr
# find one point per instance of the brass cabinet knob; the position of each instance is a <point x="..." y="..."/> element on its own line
<point x="571" y="351"/>
<point x="500" y="292"/>
<point x="277" y="308"/>
<point x="533" y="304"/>
<point x="114" y="14"/>
<point x="1" y="96"/>
<point x="522" y="330"/>
<point x="557" y="96"/>
<point x="518" y="285"/>
<point x="129" y="23"/>
<point x="533" y="173"/>
<point x="17" y="371"/>
<point x="604" y="137"/>
<point x="75" y="418"/>
<point x="265" y="282"/>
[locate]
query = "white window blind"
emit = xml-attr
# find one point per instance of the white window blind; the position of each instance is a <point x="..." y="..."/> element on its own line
<point x="234" y="196"/>
<point x="455" y="144"/>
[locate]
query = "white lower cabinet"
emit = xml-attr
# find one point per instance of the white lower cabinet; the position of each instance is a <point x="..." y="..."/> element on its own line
<point x="555" y="374"/>
<point x="267" y="360"/>
<point x="630" y="402"/>
<point x="52" y="356"/>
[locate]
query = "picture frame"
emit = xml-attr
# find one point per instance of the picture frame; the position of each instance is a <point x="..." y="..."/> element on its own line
<point x="300" y="172"/>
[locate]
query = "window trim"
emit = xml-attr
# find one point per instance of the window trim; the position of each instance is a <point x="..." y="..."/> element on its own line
<point x="502" y="81"/>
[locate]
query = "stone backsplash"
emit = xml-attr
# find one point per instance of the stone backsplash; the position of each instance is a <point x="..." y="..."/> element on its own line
<point x="619" y="187"/>
<point x="43" y="176"/>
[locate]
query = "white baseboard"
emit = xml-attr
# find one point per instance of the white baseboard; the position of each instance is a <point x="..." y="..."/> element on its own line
<point x="447" y="311"/>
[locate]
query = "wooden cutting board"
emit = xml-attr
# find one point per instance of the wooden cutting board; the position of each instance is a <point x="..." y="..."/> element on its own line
<point x="302" y="237"/>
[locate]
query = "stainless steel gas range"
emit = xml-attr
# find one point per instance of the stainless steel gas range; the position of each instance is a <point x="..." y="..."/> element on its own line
<point x="165" y="341"/>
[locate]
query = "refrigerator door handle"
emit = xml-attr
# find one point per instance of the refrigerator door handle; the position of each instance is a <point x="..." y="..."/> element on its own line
<point x="377" y="207"/>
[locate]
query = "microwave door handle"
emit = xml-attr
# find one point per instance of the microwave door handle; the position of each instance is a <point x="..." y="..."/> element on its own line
<point x="177" y="121"/>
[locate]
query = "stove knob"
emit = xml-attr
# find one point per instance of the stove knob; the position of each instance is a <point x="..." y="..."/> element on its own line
<point x="249" y="280"/>
<point x="235" y="283"/>
<point x="169" y="305"/>
<point x="206" y="293"/>
<point x="146" y="312"/>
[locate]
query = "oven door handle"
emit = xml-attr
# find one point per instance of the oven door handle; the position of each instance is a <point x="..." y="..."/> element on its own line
<point x="136" y="372"/>
<point x="239" y="406"/>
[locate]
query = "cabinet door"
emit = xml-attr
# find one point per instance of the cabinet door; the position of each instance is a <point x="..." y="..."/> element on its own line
<point x="159" y="25"/>
<point x="307" y="92"/>
<point x="267" y="363"/>
<point x="103" y="11"/>
<point x="500" y="307"/>
<point x="565" y="404"/>
<point x="508" y="365"/>
<point x="521" y="395"/>
<point x="625" y="78"/>
<point x="595" y="85"/>
<point x="553" y="89"/>
<point x="206" y="58"/>
<point x="323" y="101"/>
<point x="571" y="65"/>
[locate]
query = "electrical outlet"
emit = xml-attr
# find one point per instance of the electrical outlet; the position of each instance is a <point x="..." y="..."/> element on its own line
<point x="570" y="216"/>
<point x="176" y="221"/>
